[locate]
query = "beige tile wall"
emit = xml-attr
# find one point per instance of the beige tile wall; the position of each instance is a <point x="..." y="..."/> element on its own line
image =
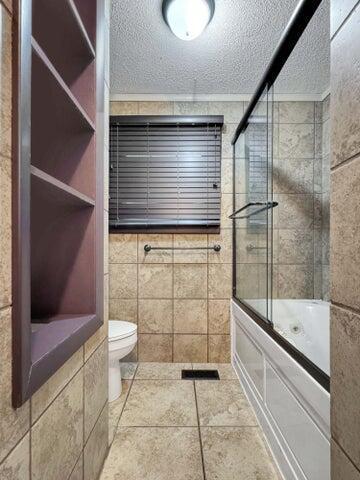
<point x="301" y="179"/>
<point x="175" y="297"/>
<point x="301" y="227"/>
<point x="179" y="300"/>
<point x="345" y="239"/>
<point x="61" y="432"/>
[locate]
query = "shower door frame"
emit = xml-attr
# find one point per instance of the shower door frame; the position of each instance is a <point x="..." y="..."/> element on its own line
<point x="297" y="24"/>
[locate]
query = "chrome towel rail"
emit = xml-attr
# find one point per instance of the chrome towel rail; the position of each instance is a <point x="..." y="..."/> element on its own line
<point x="264" y="206"/>
<point x="251" y="247"/>
<point x="216" y="248"/>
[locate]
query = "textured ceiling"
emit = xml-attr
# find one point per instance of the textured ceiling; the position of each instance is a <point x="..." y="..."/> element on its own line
<point x="228" y="58"/>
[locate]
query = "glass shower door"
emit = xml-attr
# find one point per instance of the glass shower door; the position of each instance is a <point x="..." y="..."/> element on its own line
<point x="253" y="210"/>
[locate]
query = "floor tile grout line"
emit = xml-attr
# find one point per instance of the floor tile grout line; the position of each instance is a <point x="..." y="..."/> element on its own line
<point x="125" y="402"/>
<point x="199" y="433"/>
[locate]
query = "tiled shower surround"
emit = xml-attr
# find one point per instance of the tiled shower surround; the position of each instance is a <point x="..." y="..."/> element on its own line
<point x="61" y="433"/>
<point x="300" y="248"/>
<point x="345" y="239"/>
<point x="301" y="173"/>
<point x="180" y="300"/>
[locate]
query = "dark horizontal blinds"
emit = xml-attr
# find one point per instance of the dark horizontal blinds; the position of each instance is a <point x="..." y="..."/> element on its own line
<point x="165" y="172"/>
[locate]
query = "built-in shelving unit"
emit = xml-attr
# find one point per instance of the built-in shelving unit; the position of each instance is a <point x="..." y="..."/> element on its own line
<point x="58" y="200"/>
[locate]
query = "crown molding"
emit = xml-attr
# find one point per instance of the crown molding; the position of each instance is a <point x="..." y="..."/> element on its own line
<point x="213" y="97"/>
<point x="176" y="97"/>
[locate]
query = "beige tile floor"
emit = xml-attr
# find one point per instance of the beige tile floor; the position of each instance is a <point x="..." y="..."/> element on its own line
<point x="165" y="428"/>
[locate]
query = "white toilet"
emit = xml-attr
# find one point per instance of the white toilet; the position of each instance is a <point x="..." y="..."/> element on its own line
<point x="122" y="339"/>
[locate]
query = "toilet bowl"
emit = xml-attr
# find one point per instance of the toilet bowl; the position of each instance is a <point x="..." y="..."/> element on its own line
<point x="122" y="340"/>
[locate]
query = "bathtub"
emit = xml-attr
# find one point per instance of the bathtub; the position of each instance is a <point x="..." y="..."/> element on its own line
<point x="305" y="324"/>
<point x="292" y="407"/>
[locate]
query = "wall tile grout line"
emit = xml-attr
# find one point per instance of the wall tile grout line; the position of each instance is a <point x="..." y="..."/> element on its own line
<point x="10" y="13"/>
<point x="345" y="162"/>
<point x="207" y="305"/>
<point x="14" y="447"/>
<point x="55" y="398"/>
<point x="84" y="444"/>
<point x="83" y="415"/>
<point x="137" y="294"/>
<point x="342" y="24"/>
<point x="346" y="455"/>
<point x="83" y="449"/>
<point x="76" y="462"/>
<point x="97" y="419"/>
<point x="313" y="193"/>
<point x="345" y="307"/>
<point x="5" y="307"/>
<point x="30" y="443"/>
<point x="173" y="303"/>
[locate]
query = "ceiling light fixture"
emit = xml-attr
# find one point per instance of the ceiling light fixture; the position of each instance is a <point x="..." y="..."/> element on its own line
<point x="187" y="19"/>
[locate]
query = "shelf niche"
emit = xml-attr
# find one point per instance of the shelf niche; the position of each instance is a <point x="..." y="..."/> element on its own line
<point x="58" y="199"/>
<point x="62" y="32"/>
<point x="62" y="252"/>
<point x="62" y="135"/>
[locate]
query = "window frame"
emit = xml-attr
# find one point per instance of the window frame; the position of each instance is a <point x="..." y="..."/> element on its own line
<point x="163" y="120"/>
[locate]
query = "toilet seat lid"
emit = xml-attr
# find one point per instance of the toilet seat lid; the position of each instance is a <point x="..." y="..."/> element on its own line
<point x="120" y="329"/>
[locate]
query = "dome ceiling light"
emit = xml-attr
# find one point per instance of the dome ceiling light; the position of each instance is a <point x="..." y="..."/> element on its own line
<point x="187" y="19"/>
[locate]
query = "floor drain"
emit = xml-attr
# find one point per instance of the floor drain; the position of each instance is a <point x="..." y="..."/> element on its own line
<point x="200" y="375"/>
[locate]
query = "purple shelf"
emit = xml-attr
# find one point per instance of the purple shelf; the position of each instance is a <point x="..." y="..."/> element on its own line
<point x="62" y="248"/>
<point x="68" y="36"/>
<point x="53" y="331"/>
<point x="56" y="339"/>
<point x="62" y="134"/>
<point x="56" y="191"/>
<point x="58" y="95"/>
<point x="60" y="31"/>
<point x="87" y="11"/>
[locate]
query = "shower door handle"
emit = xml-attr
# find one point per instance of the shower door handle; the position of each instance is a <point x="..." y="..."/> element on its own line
<point x="264" y="206"/>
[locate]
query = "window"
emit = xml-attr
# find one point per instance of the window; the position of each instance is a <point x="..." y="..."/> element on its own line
<point x="165" y="173"/>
